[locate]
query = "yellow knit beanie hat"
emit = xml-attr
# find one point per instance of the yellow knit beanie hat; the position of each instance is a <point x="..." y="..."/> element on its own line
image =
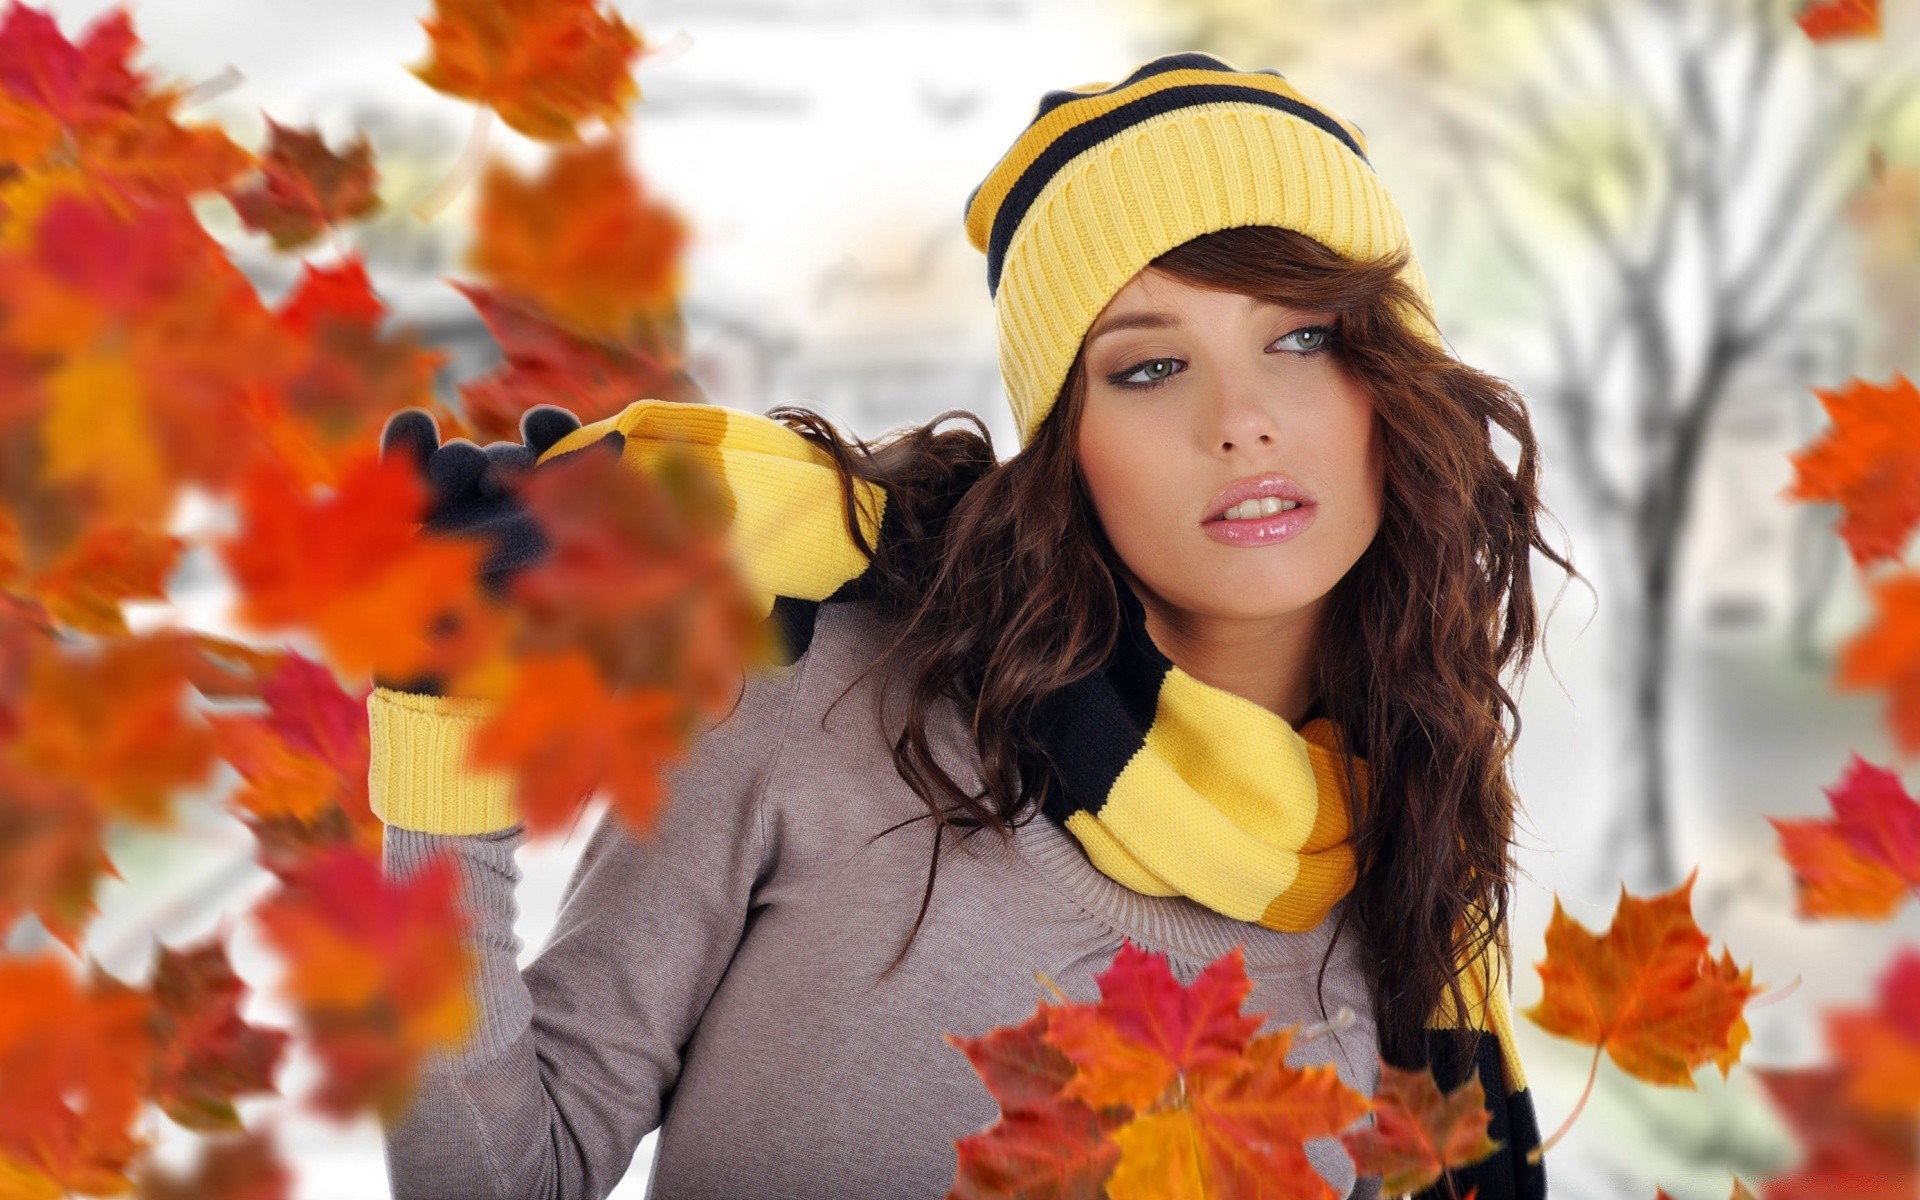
<point x="1108" y="176"/>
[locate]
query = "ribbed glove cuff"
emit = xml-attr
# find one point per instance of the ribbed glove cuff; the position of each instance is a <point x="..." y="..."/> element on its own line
<point x="418" y="776"/>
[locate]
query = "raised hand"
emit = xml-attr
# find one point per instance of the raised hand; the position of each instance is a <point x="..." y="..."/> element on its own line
<point x="474" y="491"/>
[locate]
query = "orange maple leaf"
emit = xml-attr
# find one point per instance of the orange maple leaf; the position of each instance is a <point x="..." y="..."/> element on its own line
<point x="110" y="563"/>
<point x="1887" y="654"/>
<point x="642" y="577"/>
<point x="1646" y="992"/>
<point x="206" y="1054"/>
<point x="114" y="721"/>
<point x="1864" y="862"/>
<point x="1868" y="463"/>
<point x="1043" y="1143"/>
<point x="378" y="970"/>
<point x="584" y="242"/>
<point x="1215" y="1114"/>
<point x="564" y="732"/>
<point x="543" y="65"/>
<point x="1827" y="20"/>
<point x="350" y="567"/>
<point x="76" y="1062"/>
<point x="1418" y="1132"/>
<point x="305" y="188"/>
<point x="1880" y="1048"/>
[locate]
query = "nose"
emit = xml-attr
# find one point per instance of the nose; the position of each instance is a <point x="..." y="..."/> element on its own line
<point x="1241" y="416"/>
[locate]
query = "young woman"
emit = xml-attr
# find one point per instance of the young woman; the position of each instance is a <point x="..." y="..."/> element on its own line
<point x="1216" y="657"/>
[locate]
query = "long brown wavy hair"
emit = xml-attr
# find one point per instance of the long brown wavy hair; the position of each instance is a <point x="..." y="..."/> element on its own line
<point x="999" y="593"/>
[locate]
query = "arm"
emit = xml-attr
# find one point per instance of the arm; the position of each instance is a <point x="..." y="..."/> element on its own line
<point x="564" y="1073"/>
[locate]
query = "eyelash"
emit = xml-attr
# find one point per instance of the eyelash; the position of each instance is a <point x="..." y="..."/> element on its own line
<point x="1119" y="378"/>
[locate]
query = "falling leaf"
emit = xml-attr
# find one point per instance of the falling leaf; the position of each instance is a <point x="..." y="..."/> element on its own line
<point x="544" y="65"/>
<point x="378" y="970"/>
<point x="151" y="338"/>
<point x="1843" y="1152"/>
<point x="112" y="563"/>
<point x="1866" y="861"/>
<point x="115" y="721"/>
<point x="1887" y="654"/>
<point x="207" y="1054"/>
<point x="107" y="120"/>
<point x="1881" y="1047"/>
<point x="564" y="732"/>
<point x="584" y="242"/>
<point x="349" y="567"/>
<point x="1829" y="20"/>
<point x="1868" y="463"/>
<point x="1646" y="991"/>
<point x="75" y="1059"/>
<point x="1044" y="1143"/>
<point x="353" y="373"/>
<point x="246" y="1167"/>
<point x="1418" y="1132"/>
<point x="305" y="188"/>
<point x="1217" y="1111"/>
<point x="545" y="363"/>
<point x="52" y="853"/>
<point x="640" y="574"/>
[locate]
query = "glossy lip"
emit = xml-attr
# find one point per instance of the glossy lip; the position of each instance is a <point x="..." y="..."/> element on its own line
<point x="1261" y="531"/>
<point x="1253" y="488"/>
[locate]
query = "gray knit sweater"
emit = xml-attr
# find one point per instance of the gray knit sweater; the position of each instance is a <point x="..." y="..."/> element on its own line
<point x="718" y="980"/>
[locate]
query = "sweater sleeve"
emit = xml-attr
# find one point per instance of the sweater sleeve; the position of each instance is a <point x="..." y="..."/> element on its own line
<point x="566" y="1068"/>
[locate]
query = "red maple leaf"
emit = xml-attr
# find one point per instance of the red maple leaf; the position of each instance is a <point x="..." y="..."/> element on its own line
<point x="305" y="188"/>
<point x="1044" y="1142"/>
<point x="100" y="122"/>
<point x="1844" y="1152"/>
<point x="1881" y="1047"/>
<point x="1865" y="861"/>
<point x="1418" y="1132"/>
<point x="378" y="970"/>
<point x="546" y="363"/>
<point x="206" y="1054"/>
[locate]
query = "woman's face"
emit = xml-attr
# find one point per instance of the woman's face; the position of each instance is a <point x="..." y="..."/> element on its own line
<point x="1245" y="392"/>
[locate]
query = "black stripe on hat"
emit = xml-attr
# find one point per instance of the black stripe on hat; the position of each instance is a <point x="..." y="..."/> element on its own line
<point x="1192" y="60"/>
<point x="1027" y="188"/>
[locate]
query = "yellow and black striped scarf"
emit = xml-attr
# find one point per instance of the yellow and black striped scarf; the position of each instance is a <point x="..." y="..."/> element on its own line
<point x="1172" y="786"/>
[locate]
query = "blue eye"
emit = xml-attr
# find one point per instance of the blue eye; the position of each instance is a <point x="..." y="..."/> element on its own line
<point x="1321" y="336"/>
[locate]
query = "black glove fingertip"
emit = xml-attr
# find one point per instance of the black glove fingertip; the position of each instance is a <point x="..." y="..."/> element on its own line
<point x="506" y="461"/>
<point x="544" y="424"/>
<point x="456" y="468"/>
<point x="411" y="432"/>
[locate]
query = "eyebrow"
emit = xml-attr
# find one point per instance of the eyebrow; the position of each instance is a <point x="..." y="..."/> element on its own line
<point x="1138" y="320"/>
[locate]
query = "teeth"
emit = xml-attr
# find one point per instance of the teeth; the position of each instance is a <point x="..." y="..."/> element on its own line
<point x="1266" y="506"/>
